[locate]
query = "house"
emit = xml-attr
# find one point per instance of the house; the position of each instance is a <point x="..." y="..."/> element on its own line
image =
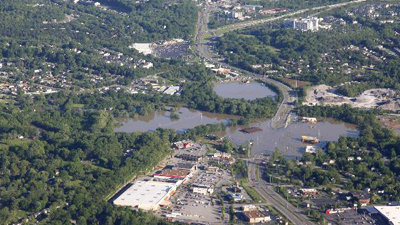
<point x="311" y="149"/>
<point x="363" y="198"/>
<point x="308" y="191"/>
<point x="256" y="216"/>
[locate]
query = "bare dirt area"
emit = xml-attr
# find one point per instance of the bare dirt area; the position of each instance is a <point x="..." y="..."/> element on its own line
<point x="390" y="121"/>
<point x="385" y="99"/>
<point x="294" y="83"/>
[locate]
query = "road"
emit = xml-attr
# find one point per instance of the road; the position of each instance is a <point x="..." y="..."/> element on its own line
<point x="267" y="191"/>
<point x="245" y="24"/>
<point x="203" y="50"/>
<point x="279" y="120"/>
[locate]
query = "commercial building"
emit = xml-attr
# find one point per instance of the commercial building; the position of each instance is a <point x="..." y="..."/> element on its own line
<point x="256" y="216"/>
<point x="246" y="208"/>
<point x="304" y="24"/>
<point x="183" y="144"/>
<point x="236" y="197"/>
<point x="191" y="158"/>
<point x="222" y="155"/>
<point x="390" y="213"/>
<point x="168" y="174"/>
<point x="308" y="191"/>
<point x="185" y="166"/>
<point x="203" y="189"/>
<point x="146" y="195"/>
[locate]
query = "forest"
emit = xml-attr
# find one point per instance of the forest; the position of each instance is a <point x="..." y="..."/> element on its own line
<point x="377" y="147"/>
<point x="309" y="56"/>
<point x="68" y="161"/>
<point x="66" y="39"/>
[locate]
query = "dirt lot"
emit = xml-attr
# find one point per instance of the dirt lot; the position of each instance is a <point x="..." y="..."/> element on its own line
<point x="385" y="99"/>
<point x="294" y="83"/>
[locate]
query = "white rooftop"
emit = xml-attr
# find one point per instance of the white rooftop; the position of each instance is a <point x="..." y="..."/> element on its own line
<point x="392" y="213"/>
<point x="144" y="48"/>
<point x="146" y="195"/>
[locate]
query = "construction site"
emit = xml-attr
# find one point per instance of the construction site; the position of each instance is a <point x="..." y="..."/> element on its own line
<point x="385" y="99"/>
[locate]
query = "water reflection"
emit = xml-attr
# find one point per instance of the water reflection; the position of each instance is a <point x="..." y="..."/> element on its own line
<point x="288" y="140"/>
<point x="189" y="118"/>
<point x="249" y="91"/>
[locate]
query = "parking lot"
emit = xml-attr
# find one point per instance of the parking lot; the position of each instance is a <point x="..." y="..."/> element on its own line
<point x="198" y="208"/>
<point x="193" y="207"/>
<point x="173" y="51"/>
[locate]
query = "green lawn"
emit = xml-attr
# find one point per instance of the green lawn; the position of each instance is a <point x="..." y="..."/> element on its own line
<point x="253" y="193"/>
<point x="77" y="106"/>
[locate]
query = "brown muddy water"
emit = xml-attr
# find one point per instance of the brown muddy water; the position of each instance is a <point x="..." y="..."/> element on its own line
<point x="288" y="139"/>
<point x="249" y="91"/>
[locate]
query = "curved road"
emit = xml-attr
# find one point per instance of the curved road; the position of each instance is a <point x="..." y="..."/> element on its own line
<point x="279" y="120"/>
<point x="204" y="51"/>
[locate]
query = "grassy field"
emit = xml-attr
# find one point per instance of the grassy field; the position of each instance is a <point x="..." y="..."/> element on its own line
<point x="77" y="106"/>
<point x="253" y="193"/>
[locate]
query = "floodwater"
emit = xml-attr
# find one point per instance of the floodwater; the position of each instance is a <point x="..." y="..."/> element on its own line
<point x="249" y="91"/>
<point x="288" y="140"/>
<point x="189" y="118"/>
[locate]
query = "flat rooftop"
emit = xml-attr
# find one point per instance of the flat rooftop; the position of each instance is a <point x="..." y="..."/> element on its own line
<point x="391" y="213"/>
<point x="254" y="214"/>
<point x="146" y="195"/>
<point x="173" y="173"/>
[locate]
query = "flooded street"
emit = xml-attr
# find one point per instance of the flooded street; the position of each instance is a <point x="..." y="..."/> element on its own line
<point x="288" y="140"/>
<point x="249" y="91"/>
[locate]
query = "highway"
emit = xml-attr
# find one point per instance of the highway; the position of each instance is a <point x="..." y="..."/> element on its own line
<point x="267" y="191"/>
<point x="203" y="50"/>
<point x="279" y="120"/>
<point x="250" y="23"/>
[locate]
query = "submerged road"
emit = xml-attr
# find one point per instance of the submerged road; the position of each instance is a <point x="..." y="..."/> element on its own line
<point x="204" y="51"/>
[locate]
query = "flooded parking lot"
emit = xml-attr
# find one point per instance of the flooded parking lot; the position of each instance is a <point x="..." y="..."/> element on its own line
<point x="249" y="91"/>
<point x="288" y="140"/>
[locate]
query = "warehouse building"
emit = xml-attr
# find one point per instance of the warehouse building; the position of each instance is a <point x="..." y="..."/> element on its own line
<point x="167" y="174"/>
<point x="256" y="216"/>
<point x="391" y="214"/>
<point x="146" y="195"/>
